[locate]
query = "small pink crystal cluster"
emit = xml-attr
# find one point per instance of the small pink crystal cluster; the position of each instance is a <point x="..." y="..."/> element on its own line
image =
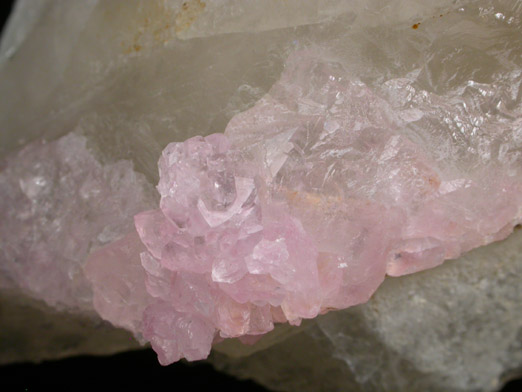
<point x="58" y="204"/>
<point x="218" y="260"/>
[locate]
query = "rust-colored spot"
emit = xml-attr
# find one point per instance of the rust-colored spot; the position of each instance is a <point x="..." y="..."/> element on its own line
<point x="310" y="199"/>
<point x="190" y="11"/>
<point x="434" y="181"/>
<point x="151" y="26"/>
<point x="415" y="26"/>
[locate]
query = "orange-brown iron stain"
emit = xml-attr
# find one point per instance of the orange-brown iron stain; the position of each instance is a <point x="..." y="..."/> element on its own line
<point x="190" y="11"/>
<point x="159" y="23"/>
<point x="416" y="25"/>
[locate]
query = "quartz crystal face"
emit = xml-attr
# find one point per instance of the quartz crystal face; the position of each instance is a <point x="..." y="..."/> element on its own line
<point x="301" y="152"/>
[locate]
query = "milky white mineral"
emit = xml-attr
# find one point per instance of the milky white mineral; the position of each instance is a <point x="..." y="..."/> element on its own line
<point x="302" y="151"/>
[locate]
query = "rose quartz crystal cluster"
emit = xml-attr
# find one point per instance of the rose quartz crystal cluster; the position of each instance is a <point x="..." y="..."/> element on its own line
<point x="58" y="203"/>
<point x="304" y="205"/>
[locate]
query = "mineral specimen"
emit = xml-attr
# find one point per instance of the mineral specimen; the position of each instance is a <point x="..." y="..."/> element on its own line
<point x="313" y="195"/>
<point x="364" y="139"/>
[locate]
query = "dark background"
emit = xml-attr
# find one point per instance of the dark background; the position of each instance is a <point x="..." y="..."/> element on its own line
<point x="135" y="367"/>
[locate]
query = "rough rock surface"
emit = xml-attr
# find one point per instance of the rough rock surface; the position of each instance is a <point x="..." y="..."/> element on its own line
<point x="441" y="86"/>
<point x="31" y="331"/>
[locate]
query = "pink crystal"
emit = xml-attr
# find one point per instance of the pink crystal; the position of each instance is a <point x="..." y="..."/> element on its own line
<point x="121" y="298"/>
<point x="310" y="198"/>
<point x="58" y="203"/>
<point x="174" y="335"/>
